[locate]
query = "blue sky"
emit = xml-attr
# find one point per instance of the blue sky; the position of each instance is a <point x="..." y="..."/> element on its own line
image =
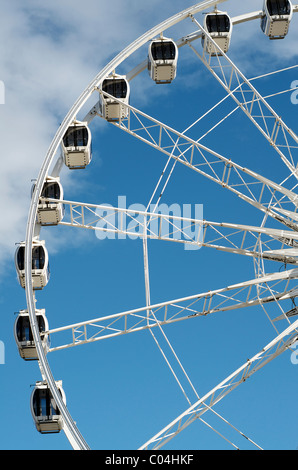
<point x="120" y="392"/>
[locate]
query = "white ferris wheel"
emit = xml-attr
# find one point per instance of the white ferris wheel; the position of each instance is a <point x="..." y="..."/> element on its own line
<point x="268" y="244"/>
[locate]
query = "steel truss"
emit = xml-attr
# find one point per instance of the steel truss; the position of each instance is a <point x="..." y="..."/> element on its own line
<point x="274" y="287"/>
<point x="282" y="139"/>
<point x="280" y="245"/>
<point x="262" y="193"/>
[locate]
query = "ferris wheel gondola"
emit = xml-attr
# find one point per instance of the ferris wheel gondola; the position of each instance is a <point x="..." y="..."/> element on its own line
<point x="40" y="264"/>
<point x="49" y="212"/>
<point x="24" y="337"/>
<point x="44" y="409"/>
<point x="219" y="26"/>
<point x="76" y="146"/>
<point x="116" y="86"/>
<point x="162" y="60"/>
<point x="277" y="15"/>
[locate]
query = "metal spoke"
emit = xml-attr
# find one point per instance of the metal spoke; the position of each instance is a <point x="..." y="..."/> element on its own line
<point x="274" y="349"/>
<point x="237" y="296"/>
<point x="279" y="245"/>
<point x="251" y="187"/>
<point x="249" y="100"/>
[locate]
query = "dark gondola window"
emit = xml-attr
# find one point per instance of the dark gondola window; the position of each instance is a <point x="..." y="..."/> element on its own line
<point x="51" y="191"/>
<point x="24" y="332"/>
<point x="21" y="258"/>
<point x="115" y="87"/>
<point x="218" y="23"/>
<point x="278" y="7"/>
<point x="164" y="50"/>
<point x="76" y="136"/>
<point x="44" y="404"/>
<point x="38" y="257"/>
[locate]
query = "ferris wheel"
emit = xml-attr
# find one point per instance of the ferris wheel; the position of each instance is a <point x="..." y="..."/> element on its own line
<point x="270" y="242"/>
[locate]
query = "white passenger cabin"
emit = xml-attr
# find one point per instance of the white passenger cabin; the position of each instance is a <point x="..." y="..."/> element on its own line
<point x="277" y="15"/>
<point x="50" y="213"/>
<point x="162" y="60"/>
<point x="45" y="412"/>
<point x="76" y="146"/>
<point x="219" y="26"/>
<point x="40" y="270"/>
<point x="24" y="337"/>
<point x="118" y="87"/>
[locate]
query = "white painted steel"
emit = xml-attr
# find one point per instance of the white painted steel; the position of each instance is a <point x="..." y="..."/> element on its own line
<point x="254" y="100"/>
